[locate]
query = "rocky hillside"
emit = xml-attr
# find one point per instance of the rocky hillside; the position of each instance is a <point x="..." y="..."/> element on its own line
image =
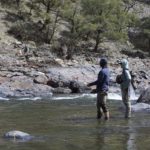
<point x="47" y="73"/>
<point x="28" y="67"/>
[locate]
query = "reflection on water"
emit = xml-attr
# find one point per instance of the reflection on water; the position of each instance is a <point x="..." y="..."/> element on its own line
<point x="72" y="125"/>
<point x="131" y="140"/>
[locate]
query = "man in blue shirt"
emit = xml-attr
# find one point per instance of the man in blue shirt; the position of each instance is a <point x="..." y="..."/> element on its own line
<point x="102" y="86"/>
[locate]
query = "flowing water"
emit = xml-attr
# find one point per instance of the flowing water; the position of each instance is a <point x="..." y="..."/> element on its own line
<point x="71" y="124"/>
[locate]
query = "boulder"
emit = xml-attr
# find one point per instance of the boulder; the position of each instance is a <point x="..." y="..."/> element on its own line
<point x="24" y="86"/>
<point x="74" y="78"/>
<point x="37" y="90"/>
<point x="41" y="79"/>
<point x="140" y="107"/>
<point x="84" y="74"/>
<point x="18" y="135"/>
<point x="75" y="87"/>
<point x="57" y="80"/>
<point x="145" y="96"/>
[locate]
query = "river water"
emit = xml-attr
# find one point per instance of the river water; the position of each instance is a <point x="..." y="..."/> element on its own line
<point x="71" y="124"/>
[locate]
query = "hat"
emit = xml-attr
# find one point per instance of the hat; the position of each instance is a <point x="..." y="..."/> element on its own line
<point x="119" y="61"/>
<point x="124" y="63"/>
<point x="103" y="62"/>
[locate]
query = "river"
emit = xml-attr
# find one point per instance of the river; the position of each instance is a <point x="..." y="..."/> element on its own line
<point x="66" y="123"/>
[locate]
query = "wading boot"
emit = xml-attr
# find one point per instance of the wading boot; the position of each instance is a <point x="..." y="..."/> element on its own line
<point x="106" y="115"/>
<point x="128" y="112"/>
<point x="128" y="115"/>
<point x="99" y="115"/>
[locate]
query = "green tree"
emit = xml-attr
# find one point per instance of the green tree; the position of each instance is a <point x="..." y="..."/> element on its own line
<point x="145" y="26"/>
<point x="106" y="19"/>
<point x="48" y="11"/>
<point x="71" y="12"/>
<point x="15" y="4"/>
<point x="10" y="3"/>
<point x="129" y="4"/>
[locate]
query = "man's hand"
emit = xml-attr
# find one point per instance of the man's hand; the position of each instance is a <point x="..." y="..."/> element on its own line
<point x="89" y="84"/>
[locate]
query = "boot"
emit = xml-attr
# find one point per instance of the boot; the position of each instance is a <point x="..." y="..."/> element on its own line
<point x="99" y="115"/>
<point x="106" y="115"/>
<point x="128" y="112"/>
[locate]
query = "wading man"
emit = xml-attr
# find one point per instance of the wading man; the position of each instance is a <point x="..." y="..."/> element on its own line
<point x="125" y="87"/>
<point x="102" y="85"/>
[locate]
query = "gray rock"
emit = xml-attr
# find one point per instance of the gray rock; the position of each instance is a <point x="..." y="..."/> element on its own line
<point x="140" y="107"/>
<point x="24" y="86"/>
<point x="77" y="87"/>
<point x="41" y="79"/>
<point x="18" y="135"/>
<point x="74" y="78"/>
<point x="145" y="96"/>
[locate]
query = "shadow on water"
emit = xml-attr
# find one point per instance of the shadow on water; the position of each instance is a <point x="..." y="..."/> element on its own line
<point x="116" y="136"/>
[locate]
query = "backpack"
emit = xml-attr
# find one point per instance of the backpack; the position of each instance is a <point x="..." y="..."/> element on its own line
<point x="119" y="79"/>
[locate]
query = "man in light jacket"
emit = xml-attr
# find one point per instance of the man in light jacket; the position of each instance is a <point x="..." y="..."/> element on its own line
<point x="125" y="86"/>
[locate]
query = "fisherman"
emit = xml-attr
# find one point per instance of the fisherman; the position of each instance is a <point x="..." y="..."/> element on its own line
<point x="102" y="86"/>
<point x="125" y="86"/>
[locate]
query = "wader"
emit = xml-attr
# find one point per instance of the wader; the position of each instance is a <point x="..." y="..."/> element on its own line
<point x="127" y="103"/>
<point x="101" y="105"/>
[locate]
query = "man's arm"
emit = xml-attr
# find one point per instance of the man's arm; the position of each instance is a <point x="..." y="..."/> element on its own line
<point x="100" y="78"/>
<point x="98" y="81"/>
<point x="93" y="83"/>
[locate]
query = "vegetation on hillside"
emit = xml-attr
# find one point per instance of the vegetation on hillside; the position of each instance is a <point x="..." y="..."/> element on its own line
<point x="145" y="26"/>
<point x="71" y="22"/>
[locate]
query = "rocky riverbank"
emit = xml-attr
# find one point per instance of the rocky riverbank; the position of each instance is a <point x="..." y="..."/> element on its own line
<point x="44" y="73"/>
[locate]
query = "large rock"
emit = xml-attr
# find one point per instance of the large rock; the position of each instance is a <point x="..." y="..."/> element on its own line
<point x="84" y="74"/>
<point x="145" y="96"/>
<point x="74" y="78"/>
<point x="77" y="87"/>
<point x="18" y="135"/>
<point x="140" y="107"/>
<point x="24" y="86"/>
<point x="41" y="79"/>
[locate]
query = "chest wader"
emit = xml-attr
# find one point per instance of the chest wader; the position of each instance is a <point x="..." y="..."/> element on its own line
<point x="126" y="101"/>
<point x="101" y="105"/>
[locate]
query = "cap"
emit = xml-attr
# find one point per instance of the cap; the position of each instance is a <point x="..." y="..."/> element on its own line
<point x="119" y="61"/>
<point x="103" y="62"/>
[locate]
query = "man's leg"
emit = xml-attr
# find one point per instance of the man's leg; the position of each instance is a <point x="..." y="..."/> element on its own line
<point x="126" y="101"/>
<point x="99" y="110"/>
<point x="104" y="106"/>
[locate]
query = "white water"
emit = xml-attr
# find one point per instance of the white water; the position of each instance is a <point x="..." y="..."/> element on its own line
<point x="132" y="93"/>
<point x="4" y="99"/>
<point x="111" y="96"/>
<point x="72" y="97"/>
<point x="30" y="98"/>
